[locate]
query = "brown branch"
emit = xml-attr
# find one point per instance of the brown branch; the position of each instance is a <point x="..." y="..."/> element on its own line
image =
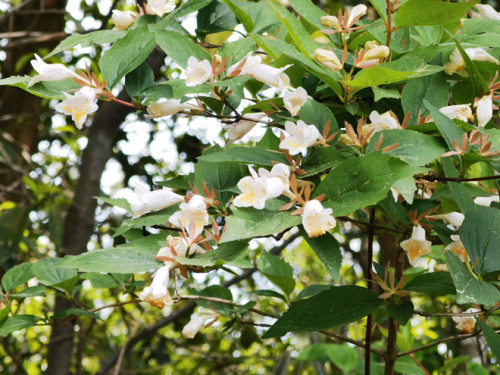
<point x="368" y="335"/>
<point x="366" y="224"/>
<point x="426" y="314"/>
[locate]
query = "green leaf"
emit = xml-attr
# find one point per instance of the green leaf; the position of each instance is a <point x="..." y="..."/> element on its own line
<point x="479" y="83"/>
<point x="408" y="366"/>
<point x="229" y="253"/>
<point x="492" y="338"/>
<point x="402" y="313"/>
<point x="126" y="55"/>
<point x="343" y="356"/>
<point x="179" y="48"/>
<point x="33" y="291"/>
<point x="118" y="202"/>
<point x="16" y="276"/>
<point x="433" y="88"/>
<point x="246" y="155"/>
<point x="269" y="293"/>
<point x="246" y="223"/>
<point x="76" y="312"/>
<point x="318" y="114"/>
<point x="94" y="37"/>
<point x="431" y="12"/>
<point x="414" y="148"/>
<point x="452" y="363"/>
<point x="312" y="290"/>
<point x="47" y="89"/>
<point x="460" y="192"/>
<point x="336" y="306"/>
<point x="244" y="18"/>
<point x="470" y="289"/>
<point x="277" y="271"/>
<point x="362" y="181"/>
<point x="320" y="159"/>
<point x="480" y="234"/>
<point x="100" y="280"/>
<point x="327" y="249"/>
<point x="380" y="93"/>
<point x="48" y="274"/>
<point x="157" y="218"/>
<point x="216" y="291"/>
<point x="396" y="71"/>
<point x="188" y="7"/>
<point x="135" y="256"/>
<point x="214" y="18"/>
<point x="438" y="283"/>
<point x="309" y="11"/>
<point x="139" y="79"/>
<point x="448" y="129"/>
<point x="17" y="323"/>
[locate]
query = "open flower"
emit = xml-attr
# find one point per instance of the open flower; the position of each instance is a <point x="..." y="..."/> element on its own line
<point x="169" y="107"/>
<point x="486" y="201"/>
<point x="457" y="248"/>
<point x="484" y="109"/>
<point x="417" y="245"/>
<point x="246" y="65"/>
<point x="255" y="190"/>
<point x="50" y="72"/>
<point x="316" y="219"/>
<point x="459" y="111"/>
<point x="371" y="55"/>
<point x="275" y="77"/>
<point x="454" y="218"/>
<point x="154" y="200"/>
<point x="300" y="137"/>
<point x="356" y="13"/>
<point x="159" y="7"/>
<point x="238" y="129"/>
<point x="197" y="72"/>
<point x="193" y="216"/>
<point x="280" y="171"/>
<point x="295" y="100"/>
<point x="176" y="247"/>
<point x="197" y="322"/>
<point x="379" y="122"/>
<point x="123" y="19"/>
<point x="79" y="105"/>
<point x="328" y="58"/>
<point x="157" y="293"/>
<point x="466" y="323"/>
<point x="457" y="63"/>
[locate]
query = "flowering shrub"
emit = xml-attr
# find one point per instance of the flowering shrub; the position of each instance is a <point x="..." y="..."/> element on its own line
<point x="386" y="124"/>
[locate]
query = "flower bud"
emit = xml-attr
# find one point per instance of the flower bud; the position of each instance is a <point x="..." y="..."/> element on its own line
<point x="328" y="58"/>
<point x="123" y="19"/>
<point x="331" y="21"/>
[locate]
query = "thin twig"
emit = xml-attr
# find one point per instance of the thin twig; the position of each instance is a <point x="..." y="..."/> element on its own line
<point x="368" y="335"/>
<point x="460" y="179"/>
<point x="366" y="224"/>
<point x="361" y="344"/>
<point x="426" y="314"/>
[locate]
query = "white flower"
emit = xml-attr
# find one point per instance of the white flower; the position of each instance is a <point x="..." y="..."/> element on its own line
<point x="457" y="247"/>
<point x="417" y="245"/>
<point x="295" y="100"/>
<point x="457" y="63"/>
<point x="193" y="216"/>
<point x="154" y="200"/>
<point x="79" y="105"/>
<point x="238" y="129"/>
<point x="379" y="122"/>
<point x="357" y="12"/>
<point x="328" y="58"/>
<point x="197" y="322"/>
<point x="250" y="62"/>
<point x="300" y="137"/>
<point x="255" y="190"/>
<point x="331" y="21"/>
<point x="486" y="201"/>
<point x="271" y="76"/>
<point x="371" y="54"/>
<point x="485" y="11"/>
<point x="459" y="111"/>
<point x="50" y="72"/>
<point x="123" y="19"/>
<point x="316" y="219"/>
<point x="454" y="218"/>
<point x="176" y="247"/>
<point x="197" y="72"/>
<point x="159" y="7"/>
<point x="466" y="323"/>
<point x="280" y="171"/>
<point x="169" y="107"/>
<point x="157" y="293"/>
<point x="484" y="109"/>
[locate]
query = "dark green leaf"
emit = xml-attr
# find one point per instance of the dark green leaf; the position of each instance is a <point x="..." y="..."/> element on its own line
<point x="179" y="48"/>
<point x="229" y="253"/>
<point x="214" y="18"/>
<point x="126" y="55"/>
<point x="17" y="323"/>
<point x="277" y="271"/>
<point x="139" y="79"/>
<point x="244" y="18"/>
<point x="336" y="306"/>
<point x="318" y="114"/>
<point x="100" y="280"/>
<point x="327" y="249"/>
<point x="311" y="290"/>
<point x="448" y="129"/>
<point x="492" y="338"/>
<point x="33" y="291"/>
<point x="480" y="234"/>
<point x="247" y="155"/>
<point x="16" y="276"/>
<point x="48" y="274"/>
<point x="75" y="312"/>
<point x="438" y="283"/>
<point x="431" y="12"/>
<point x="402" y="313"/>
<point x="269" y="293"/>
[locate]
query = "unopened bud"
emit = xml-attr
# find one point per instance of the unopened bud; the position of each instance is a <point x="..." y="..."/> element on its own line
<point x="328" y="58"/>
<point x="331" y="22"/>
